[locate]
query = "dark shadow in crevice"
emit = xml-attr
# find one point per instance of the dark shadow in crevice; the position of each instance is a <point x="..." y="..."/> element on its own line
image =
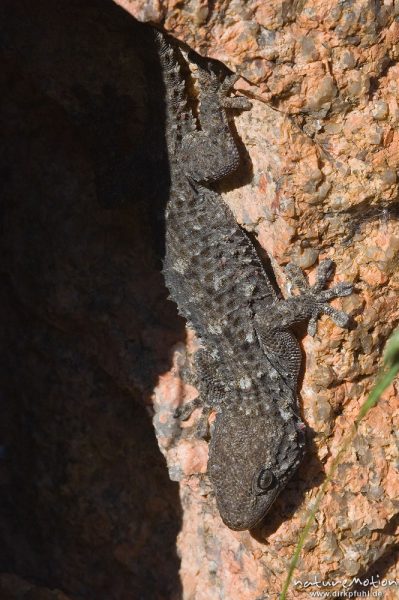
<point x="86" y="502"/>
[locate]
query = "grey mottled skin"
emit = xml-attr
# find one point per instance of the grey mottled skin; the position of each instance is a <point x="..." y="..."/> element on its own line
<point x="249" y="360"/>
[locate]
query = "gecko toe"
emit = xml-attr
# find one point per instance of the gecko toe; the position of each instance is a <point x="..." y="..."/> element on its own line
<point x="312" y="325"/>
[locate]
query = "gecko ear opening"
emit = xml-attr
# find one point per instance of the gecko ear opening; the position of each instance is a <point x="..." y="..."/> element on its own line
<point x="264" y="481"/>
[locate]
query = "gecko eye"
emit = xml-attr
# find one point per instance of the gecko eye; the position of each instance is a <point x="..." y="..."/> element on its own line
<point x="265" y="480"/>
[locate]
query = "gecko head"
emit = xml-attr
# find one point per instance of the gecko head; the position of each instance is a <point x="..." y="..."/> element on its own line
<point x="251" y="458"/>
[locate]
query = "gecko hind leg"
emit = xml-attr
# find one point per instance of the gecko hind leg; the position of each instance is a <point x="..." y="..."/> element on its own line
<point x="210" y="153"/>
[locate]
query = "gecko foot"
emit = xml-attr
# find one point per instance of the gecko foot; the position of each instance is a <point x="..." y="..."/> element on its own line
<point x="185" y="411"/>
<point x="238" y="102"/>
<point x="222" y="86"/>
<point x="316" y="298"/>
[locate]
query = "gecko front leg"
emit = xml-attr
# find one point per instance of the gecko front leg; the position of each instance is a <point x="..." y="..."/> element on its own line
<point x="211" y="393"/>
<point x="273" y="324"/>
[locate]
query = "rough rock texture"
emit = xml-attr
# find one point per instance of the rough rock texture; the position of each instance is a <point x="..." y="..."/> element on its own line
<point x="321" y="181"/>
<point x="86" y="504"/>
<point x="16" y="588"/>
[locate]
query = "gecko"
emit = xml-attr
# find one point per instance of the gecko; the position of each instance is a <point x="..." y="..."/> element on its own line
<point x="249" y="358"/>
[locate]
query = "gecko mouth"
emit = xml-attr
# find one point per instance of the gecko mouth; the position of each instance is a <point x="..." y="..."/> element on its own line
<point x="256" y="511"/>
